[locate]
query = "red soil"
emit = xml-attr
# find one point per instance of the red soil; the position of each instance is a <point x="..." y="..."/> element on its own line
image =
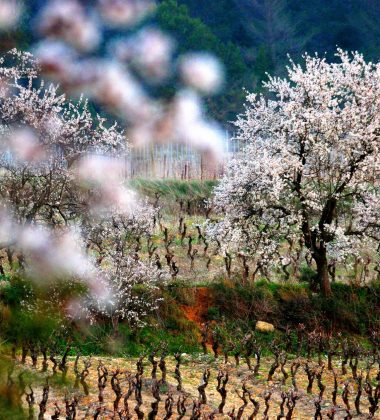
<point x="197" y="312"/>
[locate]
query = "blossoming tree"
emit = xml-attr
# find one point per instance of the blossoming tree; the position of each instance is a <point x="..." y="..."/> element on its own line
<point x="132" y="282"/>
<point x="44" y="137"/>
<point x="310" y="165"/>
<point x="65" y="212"/>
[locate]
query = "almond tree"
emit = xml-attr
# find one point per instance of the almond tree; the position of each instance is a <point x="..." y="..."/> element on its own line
<point x="132" y="282"/>
<point x="44" y="136"/>
<point x="310" y="162"/>
<point x="64" y="194"/>
<point x="45" y="143"/>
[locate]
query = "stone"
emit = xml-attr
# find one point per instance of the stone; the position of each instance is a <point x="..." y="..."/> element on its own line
<point x="263" y="326"/>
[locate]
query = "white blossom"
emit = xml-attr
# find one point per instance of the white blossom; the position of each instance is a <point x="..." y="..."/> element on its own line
<point x="308" y="172"/>
<point x="10" y="13"/>
<point x="125" y="13"/>
<point x="69" y="21"/>
<point x="201" y="71"/>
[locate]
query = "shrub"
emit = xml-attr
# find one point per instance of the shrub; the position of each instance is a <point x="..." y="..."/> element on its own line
<point x="350" y="309"/>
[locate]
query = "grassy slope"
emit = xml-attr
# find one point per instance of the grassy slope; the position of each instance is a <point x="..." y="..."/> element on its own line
<point x="354" y="310"/>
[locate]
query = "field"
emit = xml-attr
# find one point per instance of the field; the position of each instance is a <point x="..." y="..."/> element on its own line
<point x="157" y="385"/>
<point x="201" y="356"/>
<point x="151" y="265"/>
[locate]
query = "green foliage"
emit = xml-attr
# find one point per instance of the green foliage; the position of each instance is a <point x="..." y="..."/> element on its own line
<point x="254" y="37"/>
<point x="223" y="17"/>
<point x="235" y="308"/>
<point x="99" y="339"/>
<point x="356" y="309"/>
<point x="213" y="314"/>
<point x="192" y="34"/>
<point x="25" y="316"/>
<point x="351" y="309"/>
<point x="30" y="326"/>
<point x="174" y="188"/>
<point x="264" y="64"/>
<point x="15" y="291"/>
<point x="308" y="274"/>
<point x="192" y="193"/>
<point x="181" y="292"/>
<point x="170" y="326"/>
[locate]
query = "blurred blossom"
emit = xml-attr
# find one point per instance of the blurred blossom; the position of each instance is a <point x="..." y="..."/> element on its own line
<point x="98" y="170"/>
<point x="114" y="198"/>
<point x="99" y="287"/>
<point x="100" y="295"/>
<point x="106" y="175"/>
<point x="201" y="71"/>
<point x="8" y="229"/>
<point x="205" y="136"/>
<point x="125" y="13"/>
<point x="183" y="122"/>
<point x="75" y="309"/>
<point x="54" y="254"/>
<point x="120" y="91"/>
<point x="79" y="76"/>
<point x="191" y="126"/>
<point x="141" y="134"/>
<point x="49" y="254"/>
<point x="187" y="107"/>
<point x="69" y="254"/>
<point x="55" y="58"/>
<point x="24" y="144"/>
<point x="10" y="12"/>
<point x="149" y="50"/>
<point x="113" y="84"/>
<point x="34" y="239"/>
<point x="68" y="20"/>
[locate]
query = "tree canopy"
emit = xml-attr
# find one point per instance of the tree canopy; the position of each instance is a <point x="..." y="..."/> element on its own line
<point x="308" y="174"/>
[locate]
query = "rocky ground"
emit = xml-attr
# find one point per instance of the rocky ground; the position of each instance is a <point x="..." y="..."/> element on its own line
<point x="192" y="369"/>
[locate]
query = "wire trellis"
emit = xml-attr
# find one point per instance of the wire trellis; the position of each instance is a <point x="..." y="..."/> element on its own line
<point x="178" y="161"/>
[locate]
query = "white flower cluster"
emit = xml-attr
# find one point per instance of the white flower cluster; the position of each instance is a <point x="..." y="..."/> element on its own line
<point x="122" y="82"/>
<point x="132" y="283"/>
<point x="132" y="286"/>
<point x="65" y="211"/>
<point x="311" y="165"/>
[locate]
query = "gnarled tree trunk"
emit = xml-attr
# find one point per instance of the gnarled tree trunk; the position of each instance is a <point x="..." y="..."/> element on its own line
<point x="320" y="258"/>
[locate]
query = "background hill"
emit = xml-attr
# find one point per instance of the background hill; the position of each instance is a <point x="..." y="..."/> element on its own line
<point x="251" y="37"/>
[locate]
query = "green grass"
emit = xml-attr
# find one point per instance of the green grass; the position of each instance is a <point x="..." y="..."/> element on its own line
<point x="99" y="340"/>
<point x="351" y="309"/>
<point x="172" y="191"/>
<point x="174" y="188"/>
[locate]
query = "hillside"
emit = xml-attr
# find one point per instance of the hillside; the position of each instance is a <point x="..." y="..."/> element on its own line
<point x="251" y="37"/>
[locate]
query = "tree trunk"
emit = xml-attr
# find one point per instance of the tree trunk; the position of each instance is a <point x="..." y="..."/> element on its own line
<point x="115" y="325"/>
<point x="320" y="258"/>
